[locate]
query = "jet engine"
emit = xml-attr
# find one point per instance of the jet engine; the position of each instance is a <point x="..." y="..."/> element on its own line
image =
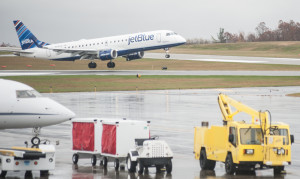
<point x="135" y="56"/>
<point x="107" y="54"/>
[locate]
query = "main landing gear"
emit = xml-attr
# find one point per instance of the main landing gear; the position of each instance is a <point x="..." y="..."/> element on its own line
<point x="167" y="53"/>
<point x="111" y="64"/>
<point x="92" y="64"/>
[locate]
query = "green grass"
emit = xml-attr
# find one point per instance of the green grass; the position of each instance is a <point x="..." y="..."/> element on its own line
<point x="87" y="83"/>
<point x="289" y="49"/>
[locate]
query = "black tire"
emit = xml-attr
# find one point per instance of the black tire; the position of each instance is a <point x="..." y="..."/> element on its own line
<point x="158" y="168"/>
<point x="75" y="158"/>
<point x="94" y="160"/>
<point x="28" y="174"/>
<point x="3" y="174"/>
<point x="169" y="167"/>
<point x="131" y="165"/>
<point x="44" y="173"/>
<point x="113" y="65"/>
<point x="105" y="161"/>
<point x="278" y="170"/>
<point x="35" y="141"/>
<point x="205" y="163"/>
<point x="116" y="164"/>
<point x="140" y="167"/>
<point x="230" y="167"/>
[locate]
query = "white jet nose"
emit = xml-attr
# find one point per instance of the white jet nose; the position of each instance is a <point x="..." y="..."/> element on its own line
<point x="181" y="39"/>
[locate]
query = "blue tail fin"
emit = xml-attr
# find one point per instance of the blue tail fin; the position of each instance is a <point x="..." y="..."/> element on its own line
<point x="26" y="38"/>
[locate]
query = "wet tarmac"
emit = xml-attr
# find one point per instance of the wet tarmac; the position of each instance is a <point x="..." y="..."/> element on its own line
<point x="173" y="115"/>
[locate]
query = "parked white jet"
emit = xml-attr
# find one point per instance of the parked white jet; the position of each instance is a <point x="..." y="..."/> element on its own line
<point x="23" y="107"/>
<point x="130" y="46"/>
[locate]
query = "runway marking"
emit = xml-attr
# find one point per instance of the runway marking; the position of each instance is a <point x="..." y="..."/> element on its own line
<point x="223" y="60"/>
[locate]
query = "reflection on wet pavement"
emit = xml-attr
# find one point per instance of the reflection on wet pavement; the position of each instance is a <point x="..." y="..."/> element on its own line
<point x="173" y="115"/>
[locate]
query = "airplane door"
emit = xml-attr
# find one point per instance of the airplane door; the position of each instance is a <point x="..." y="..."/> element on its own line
<point x="106" y="43"/>
<point x="158" y="37"/>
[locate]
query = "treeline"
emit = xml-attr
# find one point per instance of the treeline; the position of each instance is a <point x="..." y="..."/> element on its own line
<point x="286" y="31"/>
<point x="6" y="45"/>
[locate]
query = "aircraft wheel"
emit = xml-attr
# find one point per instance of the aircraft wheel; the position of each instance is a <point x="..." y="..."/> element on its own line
<point x="75" y="158"/>
<point x="35" y="141"/>
<point x="167" y="56"/>
<point x="92" y="65"/>
<point x="113" y="64"/>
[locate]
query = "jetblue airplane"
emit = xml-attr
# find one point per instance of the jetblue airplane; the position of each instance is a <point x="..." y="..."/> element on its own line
<point x="130" y="46"/>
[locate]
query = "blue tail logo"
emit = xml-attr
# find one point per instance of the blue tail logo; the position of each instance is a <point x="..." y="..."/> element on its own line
<point x="26" y="38"/>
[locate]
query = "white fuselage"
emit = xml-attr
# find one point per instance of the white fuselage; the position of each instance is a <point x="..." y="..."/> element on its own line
<point x="123" y="44"/>
<point x="22" y="107"/>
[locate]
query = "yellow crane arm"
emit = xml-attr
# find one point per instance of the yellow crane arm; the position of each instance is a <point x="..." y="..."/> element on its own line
<point x="225" y="102"/>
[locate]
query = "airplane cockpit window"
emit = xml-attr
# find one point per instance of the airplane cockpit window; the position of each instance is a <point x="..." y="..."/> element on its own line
<point x="27" y="94"/>
<point x="171" y="33"/>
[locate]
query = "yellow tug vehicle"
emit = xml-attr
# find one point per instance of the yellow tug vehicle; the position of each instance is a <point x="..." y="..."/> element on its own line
<point x="258" y="144"/>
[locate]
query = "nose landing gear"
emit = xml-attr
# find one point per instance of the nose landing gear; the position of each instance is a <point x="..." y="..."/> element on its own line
<point x="36" y="140"/>
<point x="167" y="53"/>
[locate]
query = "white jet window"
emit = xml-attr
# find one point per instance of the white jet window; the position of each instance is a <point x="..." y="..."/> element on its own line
<point x="27" y="94"/>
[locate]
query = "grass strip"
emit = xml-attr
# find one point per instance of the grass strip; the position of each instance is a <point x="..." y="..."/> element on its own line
<point x="90" y="83"/>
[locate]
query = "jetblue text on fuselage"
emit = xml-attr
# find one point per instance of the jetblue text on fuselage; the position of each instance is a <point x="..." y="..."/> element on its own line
<point x="140" y="38"/>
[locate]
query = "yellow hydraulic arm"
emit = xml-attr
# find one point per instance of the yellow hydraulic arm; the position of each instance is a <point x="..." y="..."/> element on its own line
<point x="225" y="102"/>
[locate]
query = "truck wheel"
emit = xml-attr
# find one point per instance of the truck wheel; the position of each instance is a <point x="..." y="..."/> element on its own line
<point x="206" y="164"/>
<point x="105" y="162"/>
<point x="94" y="160"/>
<point x="131" y="165"/>
<point x="140" y="167"/>
<point x="169" y="167"/>
<point x="75" y="158"/>
<point x="229" y="165"/>
<point x="278" y="170"/>
<point x="116" y="164"/>
<point x="3" y="174"/>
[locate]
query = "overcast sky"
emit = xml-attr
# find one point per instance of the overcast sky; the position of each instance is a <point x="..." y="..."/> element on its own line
<point x="56" y="21"/>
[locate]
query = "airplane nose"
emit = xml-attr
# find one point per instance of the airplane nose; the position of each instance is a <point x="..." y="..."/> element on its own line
<point x="181" y="39"/>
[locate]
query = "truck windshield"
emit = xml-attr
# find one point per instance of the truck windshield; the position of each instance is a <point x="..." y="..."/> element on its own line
<point x="251" y="136"/>
<point x="281" y="132"/>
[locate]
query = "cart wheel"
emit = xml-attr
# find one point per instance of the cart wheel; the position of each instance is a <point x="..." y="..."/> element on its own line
<point x="75" y="158"/>
<point x="94" y="160"/>
<point x="158" y="168"/>
<point x="131" y="165"/>
<point x="28" y="174"/>
<point x="3" y="174"/>
<point x="140" y="167"/>
<point x="169" y="167"/>
<point x="278" y="170"/>
<point x="116" y="164"/>
<point x="105" y="162"/>
<point x="44" y="173"/>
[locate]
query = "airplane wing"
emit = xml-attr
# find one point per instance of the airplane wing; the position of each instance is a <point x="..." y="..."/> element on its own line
<point x="84" y="53"/>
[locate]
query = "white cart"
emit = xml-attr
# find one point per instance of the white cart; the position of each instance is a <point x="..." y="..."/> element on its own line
<point x="27" y="159"/>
